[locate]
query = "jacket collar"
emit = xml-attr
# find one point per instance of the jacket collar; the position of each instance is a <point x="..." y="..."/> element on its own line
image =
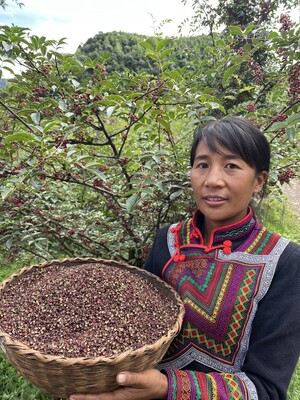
<point x="233" y="232"/>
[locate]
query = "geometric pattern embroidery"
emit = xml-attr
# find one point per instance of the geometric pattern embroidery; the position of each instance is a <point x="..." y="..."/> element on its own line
<point x="221" y="292"/>
<point x="218" y="300"/>
<point x="233" y="385"/>
<point x="186" y="385"/>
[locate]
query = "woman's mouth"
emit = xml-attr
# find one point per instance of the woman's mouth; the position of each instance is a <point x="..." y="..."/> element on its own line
<point x="214" y="200"/>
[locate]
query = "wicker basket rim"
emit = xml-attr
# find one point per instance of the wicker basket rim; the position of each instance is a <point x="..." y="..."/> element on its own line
<point x="6" y="339"/>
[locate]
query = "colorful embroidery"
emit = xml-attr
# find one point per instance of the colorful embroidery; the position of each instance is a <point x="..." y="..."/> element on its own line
<point x="186" y="385"/>
<point x="217" y="301"/>
<point x="220" y="291"/>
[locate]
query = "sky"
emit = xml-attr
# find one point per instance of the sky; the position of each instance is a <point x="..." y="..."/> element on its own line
<point x="79" y="20"/>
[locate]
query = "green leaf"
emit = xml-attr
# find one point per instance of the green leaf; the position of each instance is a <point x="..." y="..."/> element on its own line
<point x="166" y="65"/>
<point x="294" y="119"/>
<point x="176" y="194"/>
<point x="75" y="83"/>
<point x="62" y="105"/>
<point x="146" y="190"/>
<point x="162" y="43"/>
<point x="207" y="118"/>
<point x="228" y="73"/>
<point x="246" y="89"/>
<point x="20" y="137"/>
<point x="273" y="35"/>
<point x="147" y="45"/>
<point x="235" y="30"/>
<point x="5" y="192"/>
<point x="36" y="118"/>
<point x="165" y="53"/>
<point x="109" y="111"/>
<point x="50" y="125"/>
<point x="249" y="29"/>
<point x="277" y="125"/>
<point x="165" y="124"/>
<point x="131" y="202"/>
<point x="153" y="55"/>
<point x="98" y="173"/>
<point x="291" y="132"/>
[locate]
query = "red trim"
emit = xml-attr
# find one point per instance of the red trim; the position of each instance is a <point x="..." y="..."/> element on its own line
<point x="227" y="227"/>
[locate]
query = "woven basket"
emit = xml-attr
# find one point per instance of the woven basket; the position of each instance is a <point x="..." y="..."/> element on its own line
<point x="60" y="376"/>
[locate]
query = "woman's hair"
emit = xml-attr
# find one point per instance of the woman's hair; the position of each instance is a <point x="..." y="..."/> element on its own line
<point x="238" y="135"/>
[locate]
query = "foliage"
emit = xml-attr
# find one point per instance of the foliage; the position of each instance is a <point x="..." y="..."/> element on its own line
<point x="12" y="386"/>
<point x="92" y="162"/>
<point x="3" y="3"/>
<point x="120" y="51"/>
<point x="275" y="214"/>
<point x="236" y="12"/>
<point x="93" y="159"/>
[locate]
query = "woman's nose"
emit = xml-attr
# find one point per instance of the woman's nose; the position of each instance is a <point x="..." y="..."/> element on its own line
<point x="214" y="177"/>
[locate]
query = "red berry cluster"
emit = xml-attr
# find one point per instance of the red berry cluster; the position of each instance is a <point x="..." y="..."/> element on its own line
<point x="286" y="176"/>
<point x="279" y="117"/>
<point x="40" y="91"/>
<point x="133" y="117"/>
<point x="294" y="81"/>
<point x="256" y="71"/>
<point x="61" y="142"/>
<point x="58" y="175"/>
<point x="46" y="68"/>
<point x="5" y="127"/>
<point x="251" y="107"/>
<point x="286" y="23"/>
<point x="71" y="231"/>
<point x="281" y="132"/>
<point x="123" y="161"/>
<point x="97" y="182"/>
<point x="241" y="52"/>
<point x="170" y="139"/>
<point x="15" y="200"/>
<point x="100" y="73"/>
<point x="284" y="53"/>
<point x="102" y="68"/>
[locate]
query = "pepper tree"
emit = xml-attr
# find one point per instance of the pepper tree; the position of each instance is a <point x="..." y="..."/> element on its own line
<point x="92" y="163"/>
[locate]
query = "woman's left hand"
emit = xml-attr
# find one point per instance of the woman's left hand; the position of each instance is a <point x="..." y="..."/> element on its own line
<point x="147" y="385"/>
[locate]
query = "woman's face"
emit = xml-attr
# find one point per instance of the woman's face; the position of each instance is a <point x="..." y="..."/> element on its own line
<point x="223" y="185"/>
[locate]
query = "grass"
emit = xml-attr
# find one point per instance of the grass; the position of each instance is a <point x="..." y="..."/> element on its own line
<point x="294" y="388"/>
<point x="276" y="216"/>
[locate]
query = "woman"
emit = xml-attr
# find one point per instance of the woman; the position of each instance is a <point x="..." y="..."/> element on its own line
<point x="240" y="283"/>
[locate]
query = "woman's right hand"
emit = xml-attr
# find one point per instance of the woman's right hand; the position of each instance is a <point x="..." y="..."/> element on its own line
<point x="147" y="385"/>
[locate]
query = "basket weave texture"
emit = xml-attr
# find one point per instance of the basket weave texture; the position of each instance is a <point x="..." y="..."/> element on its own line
<point x="59" y="376"/>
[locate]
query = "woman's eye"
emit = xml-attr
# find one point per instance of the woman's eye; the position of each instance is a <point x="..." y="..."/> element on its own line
<point x="202" y="165"/>
<point x="231" y="166"/>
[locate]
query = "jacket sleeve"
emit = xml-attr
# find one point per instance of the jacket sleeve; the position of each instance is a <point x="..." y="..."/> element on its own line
<point x="274" y="345"/>
<point x="194" y="385"/>
<point x="159" y="253"/>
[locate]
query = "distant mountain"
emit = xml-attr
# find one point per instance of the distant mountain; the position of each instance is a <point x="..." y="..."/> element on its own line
<point x="121" y="50"/>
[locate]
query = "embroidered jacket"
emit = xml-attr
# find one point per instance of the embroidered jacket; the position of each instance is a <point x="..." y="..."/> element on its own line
<point x="240" y="337"/>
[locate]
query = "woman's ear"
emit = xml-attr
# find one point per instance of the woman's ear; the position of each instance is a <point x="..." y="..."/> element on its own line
<point x="261" y="179"/>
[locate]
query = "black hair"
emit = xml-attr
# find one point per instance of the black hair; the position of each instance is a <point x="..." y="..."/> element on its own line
<point x="236" y="134"/>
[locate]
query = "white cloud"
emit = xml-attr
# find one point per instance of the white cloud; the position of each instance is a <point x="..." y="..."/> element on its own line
<point x="80" y="20"/>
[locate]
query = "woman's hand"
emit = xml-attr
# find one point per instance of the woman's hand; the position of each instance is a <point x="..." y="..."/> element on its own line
<point x="147" y="385"/>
